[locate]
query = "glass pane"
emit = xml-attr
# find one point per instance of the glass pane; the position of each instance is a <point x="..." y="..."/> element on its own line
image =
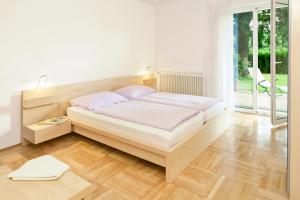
<point x="264" y="62"/>
<point x="282" y="59"/>
<point x="243" y="60"/>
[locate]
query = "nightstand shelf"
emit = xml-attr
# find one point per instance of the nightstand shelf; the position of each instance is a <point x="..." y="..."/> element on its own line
<point x="36" y="133"/>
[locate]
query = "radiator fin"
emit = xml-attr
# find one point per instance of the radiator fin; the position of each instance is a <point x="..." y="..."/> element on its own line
<point x="181" y="82"/>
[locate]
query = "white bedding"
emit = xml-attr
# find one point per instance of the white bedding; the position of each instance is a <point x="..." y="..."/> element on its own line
<point x="145" y="134"/>
<point x="209" y="106"/>
<point x="213" y="111"/>
<point x="156" y="115"/>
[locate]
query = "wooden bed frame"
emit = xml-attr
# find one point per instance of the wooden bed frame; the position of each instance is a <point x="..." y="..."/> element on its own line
<point x="42" y="104"/>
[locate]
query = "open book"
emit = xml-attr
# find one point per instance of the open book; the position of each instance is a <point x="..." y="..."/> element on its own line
<point x="53" y="121"/>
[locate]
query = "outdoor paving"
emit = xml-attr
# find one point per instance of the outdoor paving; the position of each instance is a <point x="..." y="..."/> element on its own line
<point x="245" y="99"/>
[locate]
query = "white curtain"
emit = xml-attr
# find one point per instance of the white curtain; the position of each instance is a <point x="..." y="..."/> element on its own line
<point x="222" y="83"/>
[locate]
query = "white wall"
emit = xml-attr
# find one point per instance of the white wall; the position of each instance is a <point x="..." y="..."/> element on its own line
<point x="184" y="36"/>
<point x="188" y="39"/>
<point x="70" y="41"/>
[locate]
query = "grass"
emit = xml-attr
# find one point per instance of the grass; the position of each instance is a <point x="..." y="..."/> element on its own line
<point x="245" y="83"/>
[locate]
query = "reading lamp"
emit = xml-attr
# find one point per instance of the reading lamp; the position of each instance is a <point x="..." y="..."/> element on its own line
<point x="147" y="73"/>
<point x="42" y="82"/>
<point x="42" y="96"/>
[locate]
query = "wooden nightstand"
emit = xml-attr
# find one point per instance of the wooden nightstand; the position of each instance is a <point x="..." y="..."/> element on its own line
<point x="36" y="133"/>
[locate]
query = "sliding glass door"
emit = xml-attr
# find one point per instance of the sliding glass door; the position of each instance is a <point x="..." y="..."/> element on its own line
<point x="261" y="60"/>
<point x="279" y="60"/>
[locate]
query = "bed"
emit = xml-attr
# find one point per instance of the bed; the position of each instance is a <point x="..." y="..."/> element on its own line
<point x="174" y="150"/>
<point x="145" y="134"/>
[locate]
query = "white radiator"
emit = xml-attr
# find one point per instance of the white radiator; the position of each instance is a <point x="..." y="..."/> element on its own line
<point x="181" y="82"/>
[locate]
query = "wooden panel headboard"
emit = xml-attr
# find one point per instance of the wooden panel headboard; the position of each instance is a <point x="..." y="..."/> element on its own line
<point x="38" y="105"/>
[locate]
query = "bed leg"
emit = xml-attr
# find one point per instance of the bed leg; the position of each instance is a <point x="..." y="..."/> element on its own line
<point x="169" y="177"/>
<point x="174" y="169"/>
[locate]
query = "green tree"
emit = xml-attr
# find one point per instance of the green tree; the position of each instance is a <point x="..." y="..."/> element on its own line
<point x="245" y="40"/>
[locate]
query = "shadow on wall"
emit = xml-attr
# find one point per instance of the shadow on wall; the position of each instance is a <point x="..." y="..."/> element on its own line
<point x="13" y="135"/>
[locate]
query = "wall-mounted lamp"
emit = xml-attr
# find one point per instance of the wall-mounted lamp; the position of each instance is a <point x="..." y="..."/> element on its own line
<point x="42" y="82"/>
<point x="148" y="73"/>
<point x="149" y="68"/>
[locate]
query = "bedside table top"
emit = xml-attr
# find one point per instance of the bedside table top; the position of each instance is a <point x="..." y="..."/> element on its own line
<point x="37" y="126"/>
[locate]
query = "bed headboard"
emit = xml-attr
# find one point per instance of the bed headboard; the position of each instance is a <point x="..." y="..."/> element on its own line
<point x="41" y="104"/>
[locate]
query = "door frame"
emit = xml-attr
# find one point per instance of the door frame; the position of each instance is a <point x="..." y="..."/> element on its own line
<point x="274" y="119"/>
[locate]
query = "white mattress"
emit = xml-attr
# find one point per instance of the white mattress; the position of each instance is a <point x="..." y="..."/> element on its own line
<point x="213" y="111"/>
<point x="145" y="134"/>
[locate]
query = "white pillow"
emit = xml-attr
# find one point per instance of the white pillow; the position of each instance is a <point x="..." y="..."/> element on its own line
<point x="135" y="91"/>
<point x="96" y="101"/>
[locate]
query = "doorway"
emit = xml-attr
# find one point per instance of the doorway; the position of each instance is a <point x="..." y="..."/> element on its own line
<point x="261" y="61"/>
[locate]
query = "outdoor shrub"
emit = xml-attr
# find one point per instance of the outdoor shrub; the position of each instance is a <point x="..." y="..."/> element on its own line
<point x="264" y="58"/>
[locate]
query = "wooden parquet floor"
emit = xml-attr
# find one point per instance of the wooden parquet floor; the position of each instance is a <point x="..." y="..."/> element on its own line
<point x="248" y="162"/>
